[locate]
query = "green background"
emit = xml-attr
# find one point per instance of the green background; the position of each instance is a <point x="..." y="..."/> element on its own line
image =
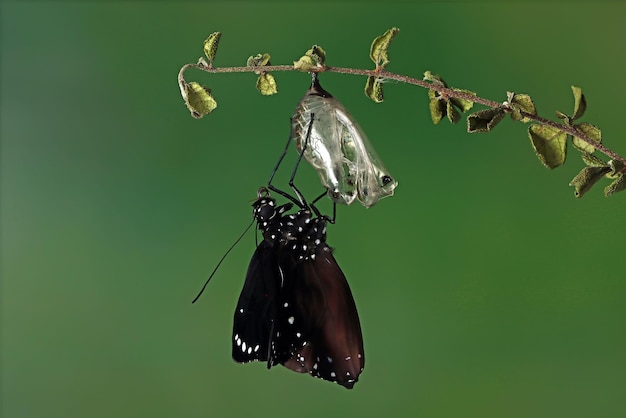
<point x="485" y="289"/>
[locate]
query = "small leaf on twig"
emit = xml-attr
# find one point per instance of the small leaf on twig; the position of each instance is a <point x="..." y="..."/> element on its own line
<point x="442" y="104"/>
<point x="589" y="130"/>
<point x="550" y="144"/>
<point x="592" y="161"/>
<point x="484" y="120"/>
<point x="618" y="185"/>
<point x="453" y="115"/>
<point x="198" y="99"/>
<point x="258" y="60"/>
<point x="587" y="177"/>
<point x="463" y="104"/>
<point x="266" y="84"/>
<point x="438" y="108"/>
<point x="521" y="103"/>
<point x="304" y="64"/>
<point x="318" y="55"/>
<point x="313" y="59"/>
<point x="580" y="103"/>
<point x="210" y="46"/>
<point x="378" y="50"/>
<point x="374" y="89"/>
<point x="434" y="78"/>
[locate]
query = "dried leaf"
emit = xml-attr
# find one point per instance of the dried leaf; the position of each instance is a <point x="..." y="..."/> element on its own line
<point x="484" y="120"/>
<point x="587" y="177"/>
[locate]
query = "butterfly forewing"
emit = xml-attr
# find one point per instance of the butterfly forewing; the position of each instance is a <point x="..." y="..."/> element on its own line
<point x="256" y="308"/>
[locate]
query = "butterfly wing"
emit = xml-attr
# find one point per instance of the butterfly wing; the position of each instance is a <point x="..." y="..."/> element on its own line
<point x="319" y="321"/>
<point x="256" y="309"/>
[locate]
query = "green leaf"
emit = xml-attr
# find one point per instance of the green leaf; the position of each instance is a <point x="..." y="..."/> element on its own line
<point x="589" y="130"/>
<point x="210" y="45"/>
<point x="266" y="84"/>
<point x="438" y="108"/>
<point x="521" y="103"/>
<point x="434" y="78"/>
<point x="587" y="177"/>
<point x="453" y="115"/>
<point x="593" y="161"/>
<point x="259" y="60"/>
<point x="318" y="54"/>
<point x="374" y="89"/>
<point x="484" y="120"/>
<point x="618" y="185"/>
<point x="313" y="59"/>
<point x="463" y="104"/>
<point x="378" y="50"/>
<point x="198" y="99"/>
<point x="550" y="144"/>
<point x="443" y="105"/>
<point x="580" y="103"/>
<point x="305" y="64"/>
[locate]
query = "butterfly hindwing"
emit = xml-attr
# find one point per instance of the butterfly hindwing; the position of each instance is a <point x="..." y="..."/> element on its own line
<point x="321" y="321"/>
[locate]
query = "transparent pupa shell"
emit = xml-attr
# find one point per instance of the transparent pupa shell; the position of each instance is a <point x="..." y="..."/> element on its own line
<point x="338" y="149"/>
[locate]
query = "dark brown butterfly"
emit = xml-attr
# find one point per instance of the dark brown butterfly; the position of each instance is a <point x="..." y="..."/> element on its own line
<point x="296" y="308"/>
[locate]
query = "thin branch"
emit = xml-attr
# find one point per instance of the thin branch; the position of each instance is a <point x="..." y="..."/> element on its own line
<point x="444" y="91"/>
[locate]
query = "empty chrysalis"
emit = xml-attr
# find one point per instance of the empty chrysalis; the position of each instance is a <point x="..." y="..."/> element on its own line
<point x="338" y="149"/>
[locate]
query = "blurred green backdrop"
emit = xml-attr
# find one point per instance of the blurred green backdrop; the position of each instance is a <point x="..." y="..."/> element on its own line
<point x="485" y="289"/>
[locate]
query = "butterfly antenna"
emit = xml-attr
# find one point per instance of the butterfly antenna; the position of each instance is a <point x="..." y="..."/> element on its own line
<point x="221" y="260"/>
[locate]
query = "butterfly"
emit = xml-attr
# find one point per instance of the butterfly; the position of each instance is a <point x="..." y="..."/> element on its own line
<point x="296" y="307"/>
